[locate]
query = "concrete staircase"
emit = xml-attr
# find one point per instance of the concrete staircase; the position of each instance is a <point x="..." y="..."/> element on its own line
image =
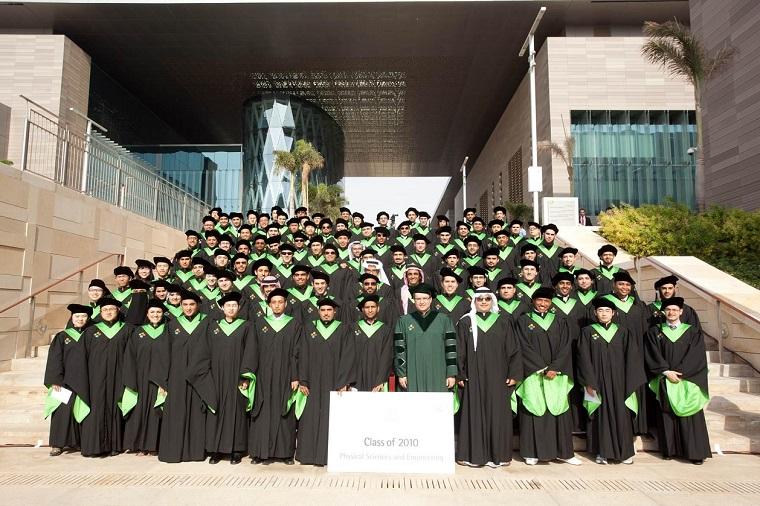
<point x="22" y="397"/>
<point x="733" y="415"/>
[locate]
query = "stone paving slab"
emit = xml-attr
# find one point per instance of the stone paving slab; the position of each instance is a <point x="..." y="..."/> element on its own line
<point x="29" y="476"/>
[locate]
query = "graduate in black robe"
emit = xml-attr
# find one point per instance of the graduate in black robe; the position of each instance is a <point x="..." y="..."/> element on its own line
<point x="546" y="423"/>
<point x="631" y="313"/>
<point x="214" y="373"/>
<point x="676" y="359"/>
<point x="610" y="371"/>
<point x="143" y="422"/>
<point x="66" y="368"/>
<point x="183" y="424"/>
<point x="510" y="305"/>
<point x="449" y="301"/>
<point x="104" y="344"/>
<point x="271" y="358"/>
<point x="374" y="347"/>
<point x="325" y="364"/>
<point x="666" y="288"/>
<point x="490" y="365"/>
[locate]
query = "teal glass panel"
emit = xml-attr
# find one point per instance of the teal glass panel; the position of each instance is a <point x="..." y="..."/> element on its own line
<point x="633" y="157"/>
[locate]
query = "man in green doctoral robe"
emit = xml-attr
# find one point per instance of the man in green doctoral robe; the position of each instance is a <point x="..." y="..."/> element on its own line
<point x="425" y="344"/>
<point x="546" y="423"/>
<point x="677" y="362"/>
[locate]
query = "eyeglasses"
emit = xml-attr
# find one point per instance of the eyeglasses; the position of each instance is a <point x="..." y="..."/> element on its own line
<point x="284" y="253"/>
<point x="370" y="283"/>
<point x="330" y="253"/>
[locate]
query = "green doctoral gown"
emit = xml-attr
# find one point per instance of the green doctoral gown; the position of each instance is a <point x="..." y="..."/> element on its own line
<point x="425" y="351"/>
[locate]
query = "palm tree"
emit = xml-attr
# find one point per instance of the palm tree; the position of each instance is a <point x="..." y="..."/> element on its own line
<point x="672" y="46"/>
<point x="326" y="199"/>
<point x="303" y="158"/>
<point x="565" y="152"/>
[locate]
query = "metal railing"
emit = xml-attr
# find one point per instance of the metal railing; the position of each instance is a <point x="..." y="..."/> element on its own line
<point x="82" y="159"/>
<point x="32" y="297"/>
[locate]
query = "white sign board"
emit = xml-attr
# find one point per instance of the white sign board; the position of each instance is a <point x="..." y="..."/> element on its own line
<point x="391" y="432"/>
<point x="562" y="211"/>
<point x="535" y="179"/>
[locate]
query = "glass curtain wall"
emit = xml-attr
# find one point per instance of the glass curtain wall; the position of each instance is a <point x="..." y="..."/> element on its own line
<point x="633" y="157"/>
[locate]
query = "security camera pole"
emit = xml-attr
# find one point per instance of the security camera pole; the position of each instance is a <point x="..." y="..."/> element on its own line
<point x="535" y="177"/>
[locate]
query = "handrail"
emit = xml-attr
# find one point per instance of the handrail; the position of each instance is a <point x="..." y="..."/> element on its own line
<point x="30" y="101"/>
<point x="59" y="281"/>
<point x="715" y="296"/>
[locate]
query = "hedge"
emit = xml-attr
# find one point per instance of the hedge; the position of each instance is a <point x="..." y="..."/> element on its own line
<point x="729" y="239"/>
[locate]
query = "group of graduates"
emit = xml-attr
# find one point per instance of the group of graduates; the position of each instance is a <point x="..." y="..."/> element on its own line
<point x="232" y="347"/>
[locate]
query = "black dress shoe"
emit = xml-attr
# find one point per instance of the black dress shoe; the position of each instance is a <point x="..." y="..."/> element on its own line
<point x="255" y="460"/>
<point x="667" y="457"/>
<point x="114" y="453"/>
<point x="54" y="452"/>
<point x="214" y="459"/>
<point x="289" y="462"/>
<point x="235" y="458"/>
<point x="698" y="462"/>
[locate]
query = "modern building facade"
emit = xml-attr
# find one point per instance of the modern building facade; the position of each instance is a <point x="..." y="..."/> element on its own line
<point x="413" y="87"/>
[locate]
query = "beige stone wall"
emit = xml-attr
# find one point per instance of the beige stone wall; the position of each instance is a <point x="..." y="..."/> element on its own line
<point x="572" y="73"/>
<point x="5" y="126"/>
<point x="48" y="231"/>
<point x="49" y="69"/>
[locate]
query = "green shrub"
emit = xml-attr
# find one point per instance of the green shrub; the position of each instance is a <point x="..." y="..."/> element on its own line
<point x="726" y="238"/>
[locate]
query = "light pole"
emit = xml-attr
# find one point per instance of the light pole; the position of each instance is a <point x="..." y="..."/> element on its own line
<point x="464" y="183"/>
<point x="535" y="177"/>
<point x="87" y="146"/>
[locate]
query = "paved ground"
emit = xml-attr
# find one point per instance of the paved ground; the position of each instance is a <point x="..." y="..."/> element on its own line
<point x="29" y="476"/>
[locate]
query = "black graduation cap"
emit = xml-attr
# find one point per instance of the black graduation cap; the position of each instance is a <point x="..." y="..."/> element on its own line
<point x="525" y="263"/>
<point x="475" y="270"/>
<point x="500" y="208"/>
<point x="183" y="253"/>
<point x="192" y="233"/>
<point x="367" y="276"/>
<point x="317" y="215"/>
<point x="442" y="217"/>
<point x="443" y="229"/>
<point x="320" y="275"/>
<point x="342" y="233"/>
<point x="156" y="303"/>
<point x="242" y="242"/>
<point x="600" y="302"/>
<point x="495" y="222"/>
<point x="327" y="302"/>
<point x="543" y="292"/>
<point x="500" y="233"/>
<point x="550" y="226"/>
<point x="382" y="213"/>
<point x="411" y="210"/>
<point x="219" y="252"/>
<point x="226" y="237"/>
<point x="607" y="248"/>
<point x="278" y="292"/>
<point x="562" y="276"/>
<point x="566" y="251"/>
<point x="423" y="288"/>
<point x="317" y="239"/>
<point x="79" y="308"/>
<point x="368" y="251"/>
<point x="667" y="280"/>
<point x="206" y="219"/>
<point x="287" y="247"/>
<point x="462" y="224"/>
<point x="506" y="281"/>
<point x="382" y="231"/>
<point x="224" y="273"/>
<point x="420" y="237"/>
<point x="623" y="276"/>
<point x="453" y="251"/>
<point x="200" y="261"/>
<point x="528" y="247"/>
<point x="223" y="215"/>
<point x="246" y="226"/>
<point x="251" y="212"/>
<point x="158" y="260"/>
<point x="471" y="238"/>
<point x="330" y="247"/>
<point x="469" y="209"/>
<point x="188" y="295"/>
<point x="357" y="214"/>
<point x="240" y="256"/>
<point x="301" y="209"/>
<point x="230" y="297"/>
<point x="108" y="301"/>
<point x="673" y="301"/>
<point x="97" y="283"/>
<point x="424" y="214"/>
<point x="368" y="298"/>
<point x="161" y="283"/>
<point x="515" y="222"/>
<point x="491" y="252"/>
<point x="405" y="223"/>
<point x="123" y="269"/>
<point x="478" y="219"/>
<point x="172" y="288"/>
<point x="275" y="239"/>
<point x="534" y="224"/>
<point x="448" y="272"/>
<point x="301" y="268"/>
<point x="366" y="224"/>
<point x="579" y="272"/>
<point x="213" y="233"/>
<point x="397" y="248"/>
<point x="261" y="262"/>
<point x="299" y="235"/>
<point x="344" y="210"/>
<point x="236" y="215"/>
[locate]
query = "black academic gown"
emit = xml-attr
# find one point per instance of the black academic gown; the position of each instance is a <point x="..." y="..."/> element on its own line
<point x="374" y="354"/>
<point x="103" y="429"/>
<point x="183" y="425"/>
<point x="143" y="422"/>
<point x="272" y="355"/>
<point x="324" y="365"/>
<point x="454" y="306"/>
<point x="614" y="369"/>
<point x="66" y="367"/>
<point x="685" y="437"/>
<point x="214" y="373"/>
<point x="485" y="415"/>
<point x="545" y="437"/>
<point x="634" y="319"/>
<point x="657" y="316"/>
